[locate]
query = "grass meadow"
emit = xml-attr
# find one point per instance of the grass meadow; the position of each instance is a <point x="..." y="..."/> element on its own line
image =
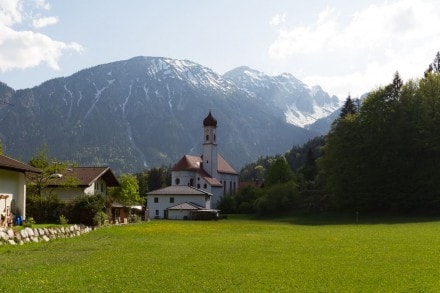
<point x="232" y="255"/>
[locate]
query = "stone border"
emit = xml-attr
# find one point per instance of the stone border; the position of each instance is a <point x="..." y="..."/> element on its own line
<point x="28" y="235"/>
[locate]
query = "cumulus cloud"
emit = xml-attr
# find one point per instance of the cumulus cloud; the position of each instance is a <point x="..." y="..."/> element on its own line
<point x="20" y="49"/>
<point x="278" y="19"/>
<point x="385" y="37"/>
<point x="44" y="21"/>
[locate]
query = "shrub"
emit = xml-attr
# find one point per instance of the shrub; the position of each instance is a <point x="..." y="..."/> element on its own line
<point x="63" y="220"/>
<point x="100" y="218"/>
<point x="29" y="222"/>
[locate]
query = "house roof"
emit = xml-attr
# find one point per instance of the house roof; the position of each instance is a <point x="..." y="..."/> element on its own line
<point x="8" y="163"/>
<point x="224" y="167"/>
<point x="86" y="176"/>
<point x="188" y="163"/>
<point x="211" y="181"/>
<point x="179" y="190"/>
<point x="194" y="163"/>
<point x="187" y="206"/>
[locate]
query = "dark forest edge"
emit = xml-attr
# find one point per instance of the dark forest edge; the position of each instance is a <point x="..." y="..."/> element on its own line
<point x="380" y="157"/>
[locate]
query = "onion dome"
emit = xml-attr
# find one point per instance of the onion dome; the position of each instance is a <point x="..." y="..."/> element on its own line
<point x="210" y="120"/>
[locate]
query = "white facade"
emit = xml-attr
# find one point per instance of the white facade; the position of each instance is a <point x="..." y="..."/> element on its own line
<point x="13" y="185"/>
<point x="159" y="203"/>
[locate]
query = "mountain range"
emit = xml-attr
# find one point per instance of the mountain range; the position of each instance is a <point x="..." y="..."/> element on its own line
<point x="147" y="111"/>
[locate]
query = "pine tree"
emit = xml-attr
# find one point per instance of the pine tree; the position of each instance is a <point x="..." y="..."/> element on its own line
<point x="349" y="107"/>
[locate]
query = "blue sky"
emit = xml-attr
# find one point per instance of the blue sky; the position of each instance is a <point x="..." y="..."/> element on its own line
<point x="344" y="46"/>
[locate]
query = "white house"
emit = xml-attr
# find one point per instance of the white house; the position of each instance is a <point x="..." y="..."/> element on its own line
<point x="208" y="174"/>
<point x="13" y="188"/>
<point x="78" y="181"/>
<point x="177" y="202"/>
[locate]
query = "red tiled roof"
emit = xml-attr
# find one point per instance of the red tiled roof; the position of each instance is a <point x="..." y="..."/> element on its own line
<point x="86" y="176"/>
<point x="8" y="163"/>
<point x="193" y="163"/>
<point x="209" y="179"/>
<point x="188" y="163"/>
<point x="224" y="167"/>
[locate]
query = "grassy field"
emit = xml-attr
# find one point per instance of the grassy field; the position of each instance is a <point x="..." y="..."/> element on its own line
<point x="235" y="255"/>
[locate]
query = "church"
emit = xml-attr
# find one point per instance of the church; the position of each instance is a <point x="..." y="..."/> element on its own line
<point x="197" y="182"/>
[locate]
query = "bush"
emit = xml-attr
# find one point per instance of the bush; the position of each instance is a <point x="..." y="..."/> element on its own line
<point x="84" y="210"/>
<point x="278" y="198"/>
<point x="133" y="218"/>
<point x="100" y="218"/>
<point x="63" y="220"/>
<point x="29" y="222"/>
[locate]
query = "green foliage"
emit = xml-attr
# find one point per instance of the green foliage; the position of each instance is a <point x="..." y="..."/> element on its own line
<point x="278" y="198"/>
<point x="158" y="178"/>
<point x="63" y="220"/>
<point x="42" y="203"/>
<point x="83" y="209"/>
<point x="128" y="192"/>
<point x="350" y="107"/>
<point x="384" y="158"/>
<point x="279" y="172"/>
<point x="29" y="222"/>
<point x="100" y="218"/>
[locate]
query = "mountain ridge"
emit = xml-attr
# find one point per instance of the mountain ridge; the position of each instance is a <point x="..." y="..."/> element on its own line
<point x="147" y="111"/>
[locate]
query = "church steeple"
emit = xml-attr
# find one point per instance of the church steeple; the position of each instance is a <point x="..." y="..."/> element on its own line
<point x="210" y="145"/>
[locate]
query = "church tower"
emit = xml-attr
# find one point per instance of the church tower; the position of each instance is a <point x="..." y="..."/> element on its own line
<point x="210" y="164"/>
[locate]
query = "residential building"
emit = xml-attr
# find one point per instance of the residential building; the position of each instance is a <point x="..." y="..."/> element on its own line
<point x="13" y="188"/>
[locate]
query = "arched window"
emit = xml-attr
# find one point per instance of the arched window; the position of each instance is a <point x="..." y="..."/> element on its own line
<point x="207" y="137"/>
<point x="191" y="182"/>
<point x="177" y="181"/>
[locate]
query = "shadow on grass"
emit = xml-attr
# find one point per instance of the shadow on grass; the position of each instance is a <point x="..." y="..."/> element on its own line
<point x="332" y="218"/>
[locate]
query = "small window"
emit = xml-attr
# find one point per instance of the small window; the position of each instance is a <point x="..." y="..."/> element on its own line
<point x="177" y="181"/>
<point x="198" y="185"/>
<point x="191" y="182"/>
<point x="214" y="137"/>
<point x="198" y="178"/>
<point x="157" y="212"/>
<point x="207" y="137"/>
<point x="156" y="200"/>
<point x="171" y="199"/>
<point x="205" y="186"/>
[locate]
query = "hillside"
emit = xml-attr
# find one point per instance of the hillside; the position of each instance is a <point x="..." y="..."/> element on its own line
<point x="148" y="111"/>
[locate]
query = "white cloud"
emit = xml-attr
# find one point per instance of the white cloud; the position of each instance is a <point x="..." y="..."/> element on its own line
<point x="44" y="21"/>
<point x="278" y="19"/>
<point x="10" y="12"/>
<point x="401" y="35"/>
<point x="20" y="49"/>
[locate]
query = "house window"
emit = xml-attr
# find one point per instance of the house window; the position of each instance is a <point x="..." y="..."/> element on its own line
<point x="157" y="212"/>
<point x="156" y="200"/>
<point x="207" y="137"/>
<point x="198" y="178"/>
<point x="102" y="187"/>
<point x="177" y="181"/>
<point x="191" y="182"/>
<point x="171" y="199"/>
<point x="205" y="186"/>
<point x="198" y="185"/>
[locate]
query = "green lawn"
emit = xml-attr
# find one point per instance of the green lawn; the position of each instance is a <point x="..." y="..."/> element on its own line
<point x="235" y="255"/>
